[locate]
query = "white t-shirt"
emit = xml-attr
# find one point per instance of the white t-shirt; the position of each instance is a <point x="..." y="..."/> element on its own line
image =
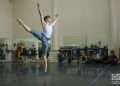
<point x="48" y="30"/>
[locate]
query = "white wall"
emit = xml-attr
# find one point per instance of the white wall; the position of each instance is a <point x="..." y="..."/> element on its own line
<point x="5" y="19"/>
<point x="84" y="21"/>
<point x="27" y="11"/>
<point x="81" y="21"/>
<point x="115" y="17"/>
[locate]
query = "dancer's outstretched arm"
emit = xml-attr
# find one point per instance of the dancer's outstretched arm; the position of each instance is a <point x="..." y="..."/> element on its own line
<point x="40" y="14"/>
<point x="23" y="25"/>
<point x="55" y="20"/>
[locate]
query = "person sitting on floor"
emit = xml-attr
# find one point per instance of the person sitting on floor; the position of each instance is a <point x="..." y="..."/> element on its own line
<point x="83" y="57"/>
<point x="112" y="59"/>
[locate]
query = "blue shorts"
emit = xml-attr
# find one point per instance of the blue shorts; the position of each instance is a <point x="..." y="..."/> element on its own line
<point x="40" y="36"/>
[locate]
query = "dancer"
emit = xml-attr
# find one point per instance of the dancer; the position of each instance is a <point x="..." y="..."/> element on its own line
<point x="45" y="35"/>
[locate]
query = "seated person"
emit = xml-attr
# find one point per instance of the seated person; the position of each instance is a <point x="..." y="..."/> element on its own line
<point x="83" y="57"/>
<point x="104" y="57"/>
<point x="61" y="57"/>
<point x="112" y="59"/>
<point x="33" y="51"/>
<point x="92" y="58"/>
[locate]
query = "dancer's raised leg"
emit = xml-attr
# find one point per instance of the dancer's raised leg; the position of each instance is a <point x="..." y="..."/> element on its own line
<point x="28" y="29"/>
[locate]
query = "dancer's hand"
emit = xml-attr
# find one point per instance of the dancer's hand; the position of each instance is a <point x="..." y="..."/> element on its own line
<point x="38" y="5"/>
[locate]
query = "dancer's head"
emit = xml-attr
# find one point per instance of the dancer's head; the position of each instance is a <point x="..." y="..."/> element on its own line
<point x="47" y="19"/>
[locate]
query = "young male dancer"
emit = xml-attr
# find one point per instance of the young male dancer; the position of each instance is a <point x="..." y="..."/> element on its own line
<point x="45" y="35"/>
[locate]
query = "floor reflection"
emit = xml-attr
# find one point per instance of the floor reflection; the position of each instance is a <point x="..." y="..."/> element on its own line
<point x="32" y="74"/>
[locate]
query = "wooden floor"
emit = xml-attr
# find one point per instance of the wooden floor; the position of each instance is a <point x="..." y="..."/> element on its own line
<point x="32" y="74"/>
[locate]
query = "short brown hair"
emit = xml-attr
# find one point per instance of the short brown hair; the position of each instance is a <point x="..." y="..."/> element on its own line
<point x="46" y="17"/>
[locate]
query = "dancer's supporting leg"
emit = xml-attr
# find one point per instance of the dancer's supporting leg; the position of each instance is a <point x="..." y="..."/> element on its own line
<point x="45" y="50"/>
<point x="39" y="36"/>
